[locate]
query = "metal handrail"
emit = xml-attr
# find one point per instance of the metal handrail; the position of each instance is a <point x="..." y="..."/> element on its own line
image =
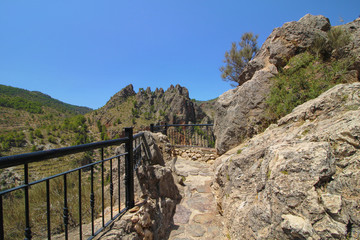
<point x="25" y="159"/>
<point x="10" y="161"/>
<point x="183" y="137"/>
<point x="135" y="147"/>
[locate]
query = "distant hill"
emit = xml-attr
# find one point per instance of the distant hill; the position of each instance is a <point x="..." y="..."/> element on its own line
<point x="31" y="120"/>
<point x="34" y="101"/>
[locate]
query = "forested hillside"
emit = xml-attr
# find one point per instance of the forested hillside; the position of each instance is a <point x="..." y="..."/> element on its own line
<point x="33" y="101"/>
<point x="31" y="121"/>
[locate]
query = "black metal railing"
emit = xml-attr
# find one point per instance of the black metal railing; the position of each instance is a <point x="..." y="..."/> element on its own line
<point x="199" y="135"/>
<point x="134" y="145"/>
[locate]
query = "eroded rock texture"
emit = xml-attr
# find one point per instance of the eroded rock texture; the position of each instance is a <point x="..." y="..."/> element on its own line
<point x="300" y="178"/>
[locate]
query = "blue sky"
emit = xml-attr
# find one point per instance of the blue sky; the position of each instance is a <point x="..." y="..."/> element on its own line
<point x="84" y="51"/>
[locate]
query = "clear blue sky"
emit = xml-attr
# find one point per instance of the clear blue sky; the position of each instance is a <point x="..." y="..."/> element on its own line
<point x="84" y="51"/>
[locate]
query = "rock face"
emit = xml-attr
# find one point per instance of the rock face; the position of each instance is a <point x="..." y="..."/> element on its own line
<point x="300" y="178"/>
<point x="121" y="96"/>
<point x="157" y="194"/>
<point x="240" y="112"/>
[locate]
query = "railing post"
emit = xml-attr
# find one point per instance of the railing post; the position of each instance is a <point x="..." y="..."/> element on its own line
<point x="1" y="219"/>
<point x="129" y="169"/>
<point x="166" y="128"/>
<point x="27" y="205"/>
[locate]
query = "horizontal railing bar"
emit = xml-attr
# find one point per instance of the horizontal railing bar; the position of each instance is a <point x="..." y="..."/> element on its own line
<point x="12" y="189"/>
<point x="10" y="161"/>
<point x="116" y="156"/>
<point x="138" y="135"/>
<point x="59" y="174"/>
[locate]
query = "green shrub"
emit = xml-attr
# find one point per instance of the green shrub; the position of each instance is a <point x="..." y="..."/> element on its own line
<point x="33" y="148"/>
<point x="12" y="139"/>
<point x="51" y="139"/>
<point x="319" y="45"/>
<point x="338" y="37"/>
<point x="38" y="133"/>
<point x="305" y="77"/>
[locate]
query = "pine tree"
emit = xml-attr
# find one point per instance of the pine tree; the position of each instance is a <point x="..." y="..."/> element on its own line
<point x="238" y="57"/>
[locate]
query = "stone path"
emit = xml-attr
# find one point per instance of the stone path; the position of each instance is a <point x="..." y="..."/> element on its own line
<point x="196" y="216"/>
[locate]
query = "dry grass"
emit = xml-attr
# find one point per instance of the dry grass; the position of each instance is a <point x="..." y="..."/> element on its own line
<point x="14" y="209"/>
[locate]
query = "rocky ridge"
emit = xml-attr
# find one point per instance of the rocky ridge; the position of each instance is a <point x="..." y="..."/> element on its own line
<point x="128" y="108"/>
<point x="298" y="179"/>
<point x="241" y="112"/>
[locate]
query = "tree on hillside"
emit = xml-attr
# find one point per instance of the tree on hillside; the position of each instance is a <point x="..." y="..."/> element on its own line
<point x="238" y="57"/>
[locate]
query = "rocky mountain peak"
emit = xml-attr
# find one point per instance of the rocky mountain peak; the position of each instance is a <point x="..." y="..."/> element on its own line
<point x="121" y="96"/>
<point x="127" y="108"/>
<point x="241" y="112"/>
<point x="284" y="42"/>
<point x="319" y="22"/>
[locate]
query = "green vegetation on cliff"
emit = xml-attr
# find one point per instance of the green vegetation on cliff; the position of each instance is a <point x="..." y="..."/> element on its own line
<point x="305" y="77"/>
<point x="311" y="73"/>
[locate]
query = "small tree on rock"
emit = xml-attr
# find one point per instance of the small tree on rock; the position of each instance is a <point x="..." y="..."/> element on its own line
<point x="238" y="57"/>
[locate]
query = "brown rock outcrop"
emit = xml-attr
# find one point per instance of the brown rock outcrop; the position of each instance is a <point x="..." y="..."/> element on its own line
<point x="121" y="96"/>
<point x="298" y="179"/>
<point x="127" y="108"/>
<point x="240" y="112"/>
<point x="155" y="185"/>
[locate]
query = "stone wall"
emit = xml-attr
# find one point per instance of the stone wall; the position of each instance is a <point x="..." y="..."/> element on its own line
<point x="196" y="154"/>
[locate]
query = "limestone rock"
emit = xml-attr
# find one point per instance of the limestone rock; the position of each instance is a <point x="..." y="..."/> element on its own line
<point x="332" y="203"/>
<point x="240" y="112"/>
<point x="297" y="227"/>
<point x="299" y="179"/>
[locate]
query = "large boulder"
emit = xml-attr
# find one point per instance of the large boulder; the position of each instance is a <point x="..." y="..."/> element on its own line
<point x="299" y="179"/>
<point x="240" y="112"/>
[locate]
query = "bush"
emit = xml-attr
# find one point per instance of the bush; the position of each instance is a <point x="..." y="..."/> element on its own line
<point x="12" y="139"/>
<point x="38" y="133"/>
<point x="305" y="77"/>
<point x="319" y="46"/>
<point x="51" y="139"/>
<point x="338" y="37"/>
